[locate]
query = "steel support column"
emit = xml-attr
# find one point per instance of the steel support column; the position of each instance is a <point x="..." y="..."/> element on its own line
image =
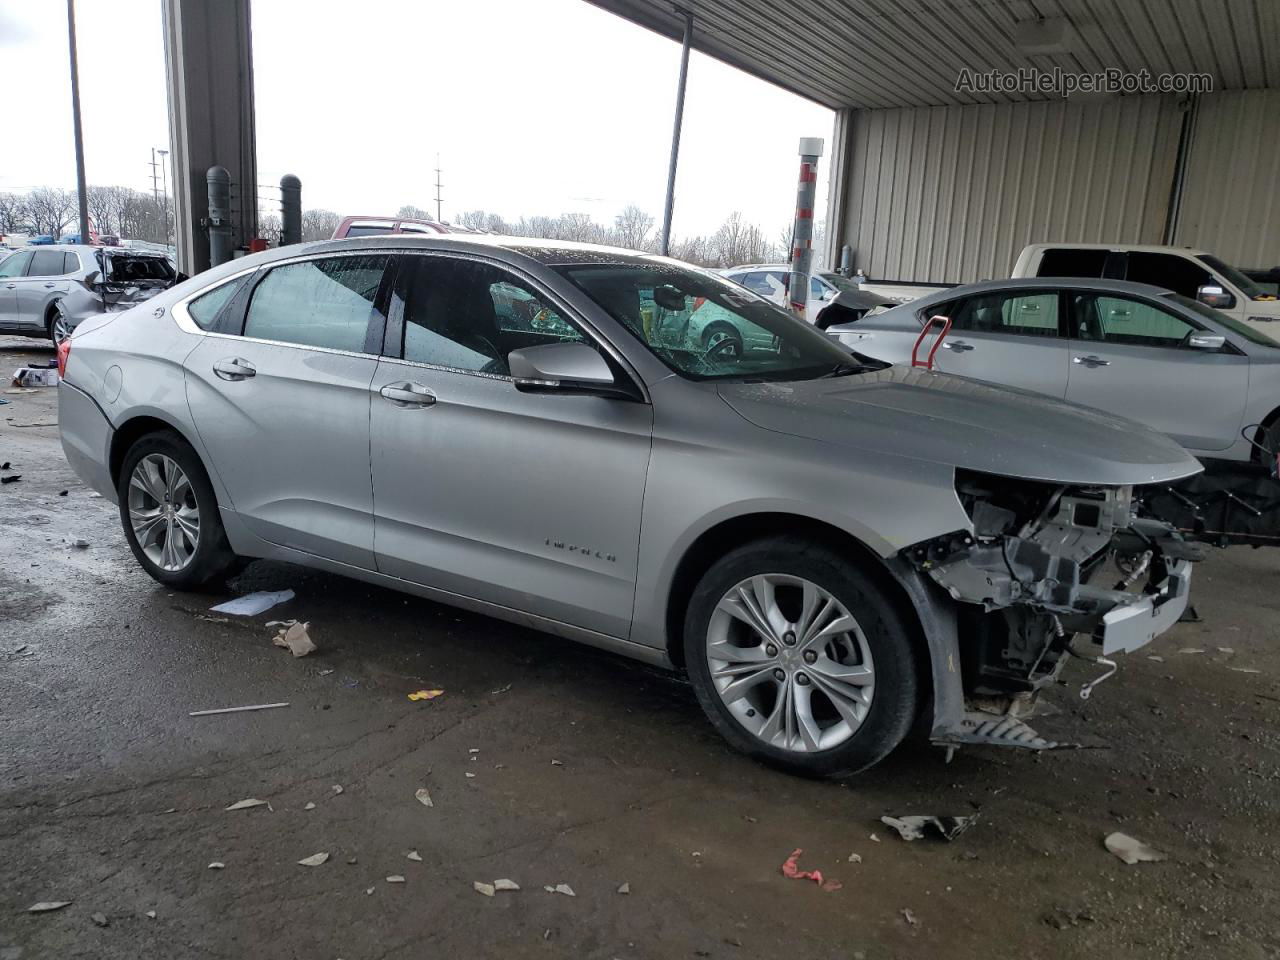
<point x="675" y="134"/>
<point x="209" y="62"/>
<point x="802" y="233"/>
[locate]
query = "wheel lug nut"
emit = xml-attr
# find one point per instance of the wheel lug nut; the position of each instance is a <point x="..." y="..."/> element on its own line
<point x="779" y="674"/>
<point x="802" y="679"/>
<point x="810" y="656"/>
<point x="771" y="650"/>
<point x="789" y="639"/>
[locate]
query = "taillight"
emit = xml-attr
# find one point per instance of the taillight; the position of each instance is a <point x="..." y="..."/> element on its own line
<point x="64" y="351"/>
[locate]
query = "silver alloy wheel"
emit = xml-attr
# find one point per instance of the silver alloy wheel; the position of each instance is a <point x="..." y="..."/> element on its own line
<point x="719" y="337"/>
<point x="790" y="663"/>
<point x="61" y="326"/>
<point x="163" y="512"/>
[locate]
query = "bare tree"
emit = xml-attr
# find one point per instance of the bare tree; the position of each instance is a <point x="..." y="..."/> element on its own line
<point x="269" y="228"/>
<point x="318" y="224"/>
<point x="102" y="208"/>
<point x="414" y="213"/>
<point x="633" y="228"/>
<point x="13" y="213"/>
<point x="50" y="209"/>
<point x="479" y="220"/>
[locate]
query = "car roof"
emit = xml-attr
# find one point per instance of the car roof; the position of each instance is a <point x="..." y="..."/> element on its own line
<point x="1123" y="248"/>
<point x="544" y="252"/>
<point x="759" y="266"/>
<point x="1039" y="283"/>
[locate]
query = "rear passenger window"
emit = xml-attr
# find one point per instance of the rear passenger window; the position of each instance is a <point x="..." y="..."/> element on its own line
<point x="1066" y="262"/>
<point x="317" y="303"/>
<point x="46" y="263"/>
<point x="1032" y="314"/>
<point x="205" y="308"/>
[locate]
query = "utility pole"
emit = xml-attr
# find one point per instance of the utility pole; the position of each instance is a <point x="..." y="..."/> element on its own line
<point x="669" y="206"/>
<point x="155" y="178"/>
<point x="439" y="217"/>
<point x="82" y="190"/>
<point x="164" y="193"/>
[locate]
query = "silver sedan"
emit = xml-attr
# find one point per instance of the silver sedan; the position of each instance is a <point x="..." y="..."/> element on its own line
<point x="831" y="547"/>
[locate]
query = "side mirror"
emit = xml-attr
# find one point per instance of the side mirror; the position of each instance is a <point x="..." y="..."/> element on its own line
<point x="1206" y="341"/>
<point x="1212" y="295"/>
<point x="561" y="368"/>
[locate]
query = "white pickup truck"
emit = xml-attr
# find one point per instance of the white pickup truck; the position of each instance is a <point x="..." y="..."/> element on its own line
<point x="1192" y="273"/>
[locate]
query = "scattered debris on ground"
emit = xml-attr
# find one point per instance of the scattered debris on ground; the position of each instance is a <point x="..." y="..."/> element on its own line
<point x="425" y="694"/>
<point x="413" y="855"/>
<point x="256" y="706"/>
<point x="791" y="870"/>
<point x="1131" y="851"/>
<point x="424" y="797"/>
<point x="395" y="878"/>
<point x="294" y="637"/>
<point x="625" y="888"/>
<point x="909" y="916"/>
<point x="12" y="478"/>
<point x="100" y="919"/>
<point x="855" y="858"/>
<point x="217" y="865"/>
<point x="505" y="884"/>
<point x="80" y="544"/>
<point x="247" y="804"/>
<point x="1061" y="918"/>
<point x="483" y="888"/>
<point x="252" y="604"/>
<point x="314" y="860"/>
<point x="914" y="827"/>
<point x="563" y="888"/>
<point x="48" y="906"/>
<point x="336" y="788"/>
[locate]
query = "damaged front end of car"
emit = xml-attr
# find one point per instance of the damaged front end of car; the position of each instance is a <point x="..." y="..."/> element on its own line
<point x="1045" y="573"/>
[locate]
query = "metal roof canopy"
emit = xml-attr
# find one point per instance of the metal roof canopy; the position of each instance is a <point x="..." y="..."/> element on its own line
<point x="869" y="54"/>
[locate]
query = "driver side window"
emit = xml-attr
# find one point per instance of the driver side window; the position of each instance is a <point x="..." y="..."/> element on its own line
<point x="1124" y="321"/>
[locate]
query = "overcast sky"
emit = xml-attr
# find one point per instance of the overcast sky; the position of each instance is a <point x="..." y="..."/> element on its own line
<point x="535" y="107"/>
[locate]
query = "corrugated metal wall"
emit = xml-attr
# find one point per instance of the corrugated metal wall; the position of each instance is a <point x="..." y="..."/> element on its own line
<point x="952" y="194"/>
<point x="1231" y="193"/>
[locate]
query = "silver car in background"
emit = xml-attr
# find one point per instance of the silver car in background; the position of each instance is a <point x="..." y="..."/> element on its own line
<point x="47" y="291"/>
<point x="831" y="547"/>
<point x="1208" y="380"/>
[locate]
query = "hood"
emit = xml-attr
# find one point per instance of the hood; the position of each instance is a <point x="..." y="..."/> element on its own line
<point x="915" y="413"/>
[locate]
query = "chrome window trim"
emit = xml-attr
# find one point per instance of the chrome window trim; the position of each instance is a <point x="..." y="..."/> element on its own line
<point x="182" y="317"/>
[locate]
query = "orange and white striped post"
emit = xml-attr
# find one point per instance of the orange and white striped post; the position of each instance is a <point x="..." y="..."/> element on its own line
<point x="802" y="234"/>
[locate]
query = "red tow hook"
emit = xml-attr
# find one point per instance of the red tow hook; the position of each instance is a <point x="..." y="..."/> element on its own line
<point x="946" y="328"/>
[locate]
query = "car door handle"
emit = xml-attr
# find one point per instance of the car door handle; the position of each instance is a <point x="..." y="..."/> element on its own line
<point x="959" y="346"/>
<point x="405" y="393"/>
<point x="234" y="368"/>
<point x="1091" y="361"/>
<point x="10" y="286"/>
<point x="50" y="286"/>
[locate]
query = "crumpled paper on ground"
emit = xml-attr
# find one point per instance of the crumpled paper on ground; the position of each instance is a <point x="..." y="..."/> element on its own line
<point x="913" y="827"/>
<point x="293" y="636"/>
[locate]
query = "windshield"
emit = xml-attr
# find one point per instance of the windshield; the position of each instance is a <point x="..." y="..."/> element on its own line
<point x="706" y="328"/>
<point x="1238" y="327"/>
<point x="1234" y="276"/>
<point x="841" y="283"/>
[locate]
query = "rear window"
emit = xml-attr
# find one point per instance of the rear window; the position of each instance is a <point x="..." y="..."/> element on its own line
<point x="47" y="263"/>
<point x="126" y="268"/>
<point x="368" y="230"/>
<point x="205" y="308"/>
<point x="1066" y="262"/>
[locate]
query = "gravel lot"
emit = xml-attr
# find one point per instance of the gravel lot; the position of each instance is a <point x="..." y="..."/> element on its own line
<point x="550" y="763"/>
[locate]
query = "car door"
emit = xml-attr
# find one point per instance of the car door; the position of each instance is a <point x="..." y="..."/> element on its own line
<point x="12" y="270"/>
<point x="1010" y="337"/>
<point x="1131" y="356"/>
<point x="279" y="392"/>
<point x="44" y="283"/>
<point x="531" y="501"/>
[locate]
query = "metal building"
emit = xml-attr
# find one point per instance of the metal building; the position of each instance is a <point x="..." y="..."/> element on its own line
<point x="932" y="183"/>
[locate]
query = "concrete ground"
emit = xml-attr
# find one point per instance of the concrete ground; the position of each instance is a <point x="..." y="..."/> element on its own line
<point x="549" y="763"/>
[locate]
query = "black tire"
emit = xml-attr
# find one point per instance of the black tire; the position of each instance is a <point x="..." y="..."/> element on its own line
<point x="213" y="559"/>
<point x="894" y="702"/>
<point x="51" y="318"/>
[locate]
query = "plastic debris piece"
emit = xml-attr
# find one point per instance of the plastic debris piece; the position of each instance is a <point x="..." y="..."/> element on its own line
<point x="561" y="888"/>
<point x="625" y="888"/>
<point x="151" y="914"/>
<point x="556" y="763"/>
<point x="875" y="838"/>
<point x="1156" y="658"/>
<point x="413" y="855"/>
<point x="484" y="888"/>
<point x="1244" y="669"/>
<point x="1226" y="650"/>
<point x="246" y="804"/>
<point x="252" y="604"/>
<point x="80" y="544"/>
<point x="369" y="891"/>
<point x="11" y="479"/>
<point x="791" y="870"/>
<point x="1191" y="650"/>
<point x="100" y="919"/>
<point x="855" y="858"/>
<point x="473" y="750"/>
<point x="505" y="884"/>
<point x="48" y="906"/>
<point x="1131" y="851"/>
<point x="325" y="673"/>
<point x="217" y="865"/>
<point x="314" y="860"/>
<point x="469" y="775"/>
<point x="425" y="694"/>
<point x="914" y="827"/>
<point x="395" y="878"/>
<point x="910" y="917"/>
<point x="295" y="638"/>
<point x="310" y="805"/>
<point x="500" y="690"/>
<point x="256" y="706"/>
<point x="336" y="788"/>
<point x="424" y="797"/>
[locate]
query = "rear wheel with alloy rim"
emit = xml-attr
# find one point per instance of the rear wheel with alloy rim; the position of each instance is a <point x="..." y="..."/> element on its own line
<point x="170" y="513"/>
<point x="57" y="323"/>
<point x="799" y="659"/>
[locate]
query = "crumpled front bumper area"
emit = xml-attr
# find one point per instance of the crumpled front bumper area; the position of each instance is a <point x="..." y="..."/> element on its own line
<point x="1043" y="571"/>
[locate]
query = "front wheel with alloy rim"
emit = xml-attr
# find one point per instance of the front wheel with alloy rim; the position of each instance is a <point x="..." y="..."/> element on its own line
<point x="57" y="323"/>
<point x="170" y="513"/>
<point x="799" y="659"/>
